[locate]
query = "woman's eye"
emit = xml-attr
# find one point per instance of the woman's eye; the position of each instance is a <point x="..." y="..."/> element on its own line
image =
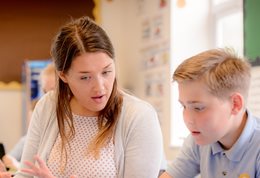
<point x="106" y="72"/>
<point x="85" y="78"/>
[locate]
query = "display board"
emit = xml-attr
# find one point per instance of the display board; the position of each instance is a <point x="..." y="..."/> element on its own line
<point x="251" y="31"/>
<point x="252" y="51"/>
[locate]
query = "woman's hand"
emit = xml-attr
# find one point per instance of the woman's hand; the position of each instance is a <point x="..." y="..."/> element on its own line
<point x="3" y="173"/>
<point x="2" y="166"/>
<point x="40" y="171"/>
<point x="10" y="162"/>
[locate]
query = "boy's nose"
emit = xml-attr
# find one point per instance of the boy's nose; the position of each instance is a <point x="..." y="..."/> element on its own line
<point x="188" y="119"/>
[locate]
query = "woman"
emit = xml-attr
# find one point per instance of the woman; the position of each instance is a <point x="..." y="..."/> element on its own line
<point x="88" y="127"/>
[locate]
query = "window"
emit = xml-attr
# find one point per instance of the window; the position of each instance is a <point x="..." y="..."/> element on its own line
<point x="229" y="24"/>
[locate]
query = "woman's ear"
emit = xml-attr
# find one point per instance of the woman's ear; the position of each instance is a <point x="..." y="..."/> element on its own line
<point x="237" y="102"/>
<point x="62" y="76"/>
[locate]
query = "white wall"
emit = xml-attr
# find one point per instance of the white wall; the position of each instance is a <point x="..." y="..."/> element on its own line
<point x="191" y="33"/>
<point x="113" y="21"/>
<point x="11" y="117"/>
<point x="122" y="19"/>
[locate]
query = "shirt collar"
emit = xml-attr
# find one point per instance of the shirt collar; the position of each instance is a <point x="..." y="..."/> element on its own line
<point x="238" y="149"/>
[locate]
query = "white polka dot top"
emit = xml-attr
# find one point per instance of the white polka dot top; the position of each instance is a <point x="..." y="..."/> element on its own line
<point x="78" y="163"/>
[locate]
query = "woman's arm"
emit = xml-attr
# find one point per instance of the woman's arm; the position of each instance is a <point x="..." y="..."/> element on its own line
<point x="143" y="150"/>
<point x="33" y="137"/>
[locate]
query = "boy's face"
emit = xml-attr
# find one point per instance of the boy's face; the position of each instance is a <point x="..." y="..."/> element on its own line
<point x="207" y="117"/>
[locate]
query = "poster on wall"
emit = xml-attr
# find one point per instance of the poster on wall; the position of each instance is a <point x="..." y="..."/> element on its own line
<point x="157" y="27"/>
<point x="154" y="84"/>
<point x="146" y="30"/>
<point x="155" y="56"/>
<point x="153" y="29"/>
<point x="155" y="64"/>
<point x="153" y="53"/>
<point x="140" y="7"/>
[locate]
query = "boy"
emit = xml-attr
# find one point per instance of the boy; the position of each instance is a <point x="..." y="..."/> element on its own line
<point x="225" y="138"/>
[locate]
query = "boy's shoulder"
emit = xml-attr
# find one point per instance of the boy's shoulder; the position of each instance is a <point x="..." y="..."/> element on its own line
<point x="256" y="126"/>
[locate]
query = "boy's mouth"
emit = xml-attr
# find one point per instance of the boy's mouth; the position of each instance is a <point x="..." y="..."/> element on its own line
<point x="195" y="133"/>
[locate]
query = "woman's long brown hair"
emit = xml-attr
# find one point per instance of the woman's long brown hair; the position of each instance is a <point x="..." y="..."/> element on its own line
<point x="75" y="38"/>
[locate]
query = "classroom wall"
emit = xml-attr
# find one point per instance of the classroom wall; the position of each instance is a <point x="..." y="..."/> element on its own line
<point x="125" y="27"/>
<point x="27" y="29"/>
<point x="11" y="114"/>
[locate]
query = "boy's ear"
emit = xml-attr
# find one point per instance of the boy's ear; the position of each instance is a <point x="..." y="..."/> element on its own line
<point x="237" y="101"/>
<point x="62" y="76"/>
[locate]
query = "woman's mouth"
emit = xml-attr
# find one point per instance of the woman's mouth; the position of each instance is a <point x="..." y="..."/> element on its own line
<point x="98" y="99"/>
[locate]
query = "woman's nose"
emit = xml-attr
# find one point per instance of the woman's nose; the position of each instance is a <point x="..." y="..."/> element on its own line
<point x="99" y="83"/>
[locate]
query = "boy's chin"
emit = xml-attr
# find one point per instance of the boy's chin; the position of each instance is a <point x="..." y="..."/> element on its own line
<point x="202" y="142"/>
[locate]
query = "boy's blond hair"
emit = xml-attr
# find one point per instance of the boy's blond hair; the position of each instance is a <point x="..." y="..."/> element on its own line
<point x="222" y="71"/>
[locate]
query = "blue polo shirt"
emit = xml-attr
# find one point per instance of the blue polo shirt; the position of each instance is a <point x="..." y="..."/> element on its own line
<point x="212" y="161"/>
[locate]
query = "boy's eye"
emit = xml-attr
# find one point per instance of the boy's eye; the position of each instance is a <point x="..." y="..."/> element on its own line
<point x="182" y="106"/>
<point x="199" y="108"/>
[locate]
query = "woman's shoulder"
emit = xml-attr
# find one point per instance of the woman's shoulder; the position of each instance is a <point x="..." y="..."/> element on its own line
<point x="46" y="103"/>
<point x="47" y="98"/>
<point x="133" y="102"/>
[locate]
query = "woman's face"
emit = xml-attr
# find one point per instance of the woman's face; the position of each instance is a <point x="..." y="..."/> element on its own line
<point x="91" y="78"/>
